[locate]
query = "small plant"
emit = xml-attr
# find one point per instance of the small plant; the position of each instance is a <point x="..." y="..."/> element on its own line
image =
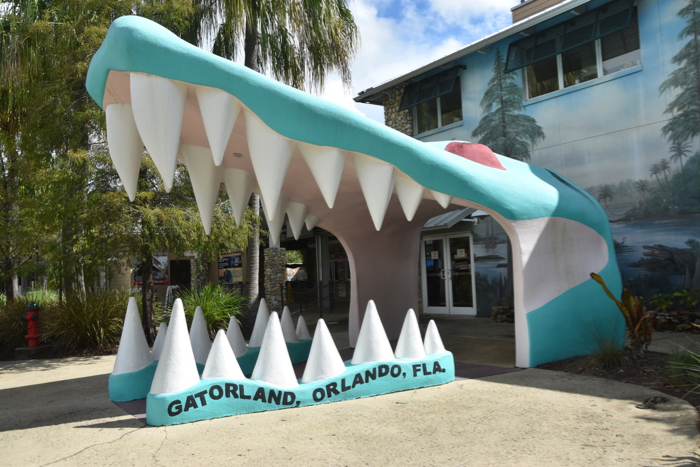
<point x="218" y="305"/>
<point x="608" y="355"/>
<point x="688" y="298"/>
<point x="662" y="301"/>
<point x="684" y="370"/>
<point x="638" y="320"/>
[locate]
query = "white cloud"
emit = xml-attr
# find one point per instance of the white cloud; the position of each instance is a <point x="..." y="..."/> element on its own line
<point x="392" y="46"/>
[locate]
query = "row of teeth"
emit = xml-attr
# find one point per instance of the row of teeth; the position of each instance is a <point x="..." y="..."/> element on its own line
<point x="181" y="351"/>
<point x="154" y="120"/>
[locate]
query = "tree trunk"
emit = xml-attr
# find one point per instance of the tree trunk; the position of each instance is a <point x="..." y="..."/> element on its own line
<point x="148" y="319"/>
<point x="253" y="254"/>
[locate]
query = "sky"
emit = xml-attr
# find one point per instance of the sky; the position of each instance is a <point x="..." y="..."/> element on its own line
<point x="398" y="36"/>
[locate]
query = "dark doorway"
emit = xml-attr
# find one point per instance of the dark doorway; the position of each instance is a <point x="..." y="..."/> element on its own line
<point x="180" y="273"/>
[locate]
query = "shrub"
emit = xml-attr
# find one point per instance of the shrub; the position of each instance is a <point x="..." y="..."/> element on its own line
<point x="93" y="322"/>
<point x="12" y="328"/>
<point x="218" y="305"/>
<point x="684" y="370"/>
<point x="639" y="321"/>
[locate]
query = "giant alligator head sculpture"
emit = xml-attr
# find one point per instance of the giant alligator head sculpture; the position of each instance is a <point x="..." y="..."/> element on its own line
<point x="371" y="186"/>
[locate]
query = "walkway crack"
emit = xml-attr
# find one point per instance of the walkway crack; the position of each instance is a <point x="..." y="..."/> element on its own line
<point x="93" y="446"/>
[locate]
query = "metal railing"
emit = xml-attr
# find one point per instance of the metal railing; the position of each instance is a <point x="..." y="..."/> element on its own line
<point x="306" y="297"/>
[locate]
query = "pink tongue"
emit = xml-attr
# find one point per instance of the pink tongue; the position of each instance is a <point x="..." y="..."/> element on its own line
<point x="477" y="153"/>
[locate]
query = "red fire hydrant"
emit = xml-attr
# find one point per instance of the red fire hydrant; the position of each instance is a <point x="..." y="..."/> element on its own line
<point x="31" y="317"/>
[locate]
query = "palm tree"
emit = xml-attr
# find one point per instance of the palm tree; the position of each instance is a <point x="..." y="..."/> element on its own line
<point x="298" y="43"/>
<point x="665" y="169"/>
<point x="654" y="171"/>
<point x="678" y="151"/>
<point x="642" y="186"/>
<point x="605" y="194"/>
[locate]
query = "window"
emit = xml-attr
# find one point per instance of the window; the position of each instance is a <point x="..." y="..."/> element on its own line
<point x="436" y="101"/>
<point x="595" y="44"/>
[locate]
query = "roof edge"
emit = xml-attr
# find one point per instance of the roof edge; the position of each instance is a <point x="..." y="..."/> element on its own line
<point x="373" y="93"/>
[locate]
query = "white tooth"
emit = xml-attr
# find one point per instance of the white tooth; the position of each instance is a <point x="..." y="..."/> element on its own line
<point x="311" y="222"/>
<point x="296" y="212"/>
<point x="261" y="320"/>
<point x="160" y="341"/>
<point x="239" y="186"/>
<point x="221" y="362"/>
<point x="326" y="165"/>
<point x="235" y="337"/>
<point x="133" y="353"/>
<point x="377" y="182"/>
<point x="302" y="330"/>
<point x="219" y="113"/>
<point x="206" y="181"/>
<point x="442" y="199"/>
<point x="288" y="331"/>
<point x="372" y="343"/>
<point x="125" y="145"/>
<point x="275" y="225"/>
<point x="324" y="360"/>
<point x="410" y="195"/>
<point x="199" y="337"/>
<point x="176" y="370"/>
<point x="270" y="154"/>
<point x="433" y="342"/>
<point x="410" y="344"/>
<point x="158" y="106"/>
<point x="274" y="365"/>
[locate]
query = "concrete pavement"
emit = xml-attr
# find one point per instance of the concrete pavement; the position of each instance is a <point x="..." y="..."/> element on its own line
<point x="57" y="412"/>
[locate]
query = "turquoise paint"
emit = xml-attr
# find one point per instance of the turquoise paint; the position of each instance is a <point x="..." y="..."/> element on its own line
<point x="210" y="399"/>
<point x="136" y="385"/>
<point x="139" y="45"/>
<point x="575" y="322"/>
<point x="520" y="192"/>
<point x="298" y="353"/>
<point x="132" y="386"/>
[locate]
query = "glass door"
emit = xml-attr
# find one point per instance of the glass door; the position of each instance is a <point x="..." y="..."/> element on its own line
<point x="461" y="277"/>
<point x="434" y="273"/>
<point x="448" y="282"/>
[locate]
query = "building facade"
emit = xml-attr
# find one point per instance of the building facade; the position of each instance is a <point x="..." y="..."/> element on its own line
<point x="604" y="93"/>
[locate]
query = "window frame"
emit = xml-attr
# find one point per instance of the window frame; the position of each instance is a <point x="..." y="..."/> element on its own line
<point x="600" y="71"/>
<point x="414" y="109"/>
<point x="522" y="53"/>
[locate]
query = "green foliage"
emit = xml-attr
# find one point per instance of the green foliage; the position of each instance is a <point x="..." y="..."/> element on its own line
<point x="12" y="328"/>
<point x="684" y="369"/>
<point x="503" y="127"/>
<point x="295" y="256"/>
<point x="297" y="43"/>
<point x="90" y="322"/>
<point x="662" y="301"/>
<point x="638" y="320"/>
<point x="684" y="109"/>
<point x="608" y="355"/>
<point x="218" y="305"/>
<point x="688" y="298"/>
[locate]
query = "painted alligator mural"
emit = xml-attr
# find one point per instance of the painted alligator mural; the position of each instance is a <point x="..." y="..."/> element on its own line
<point x="371" y="186"/>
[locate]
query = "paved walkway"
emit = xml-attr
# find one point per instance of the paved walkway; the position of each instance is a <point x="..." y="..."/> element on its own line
<point x="57" y="412"/>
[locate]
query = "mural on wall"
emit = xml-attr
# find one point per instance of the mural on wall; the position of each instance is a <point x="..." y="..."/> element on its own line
<point x="506" y="130"/>
<point x="629" y="137"/>
<point x="655" y="217"/>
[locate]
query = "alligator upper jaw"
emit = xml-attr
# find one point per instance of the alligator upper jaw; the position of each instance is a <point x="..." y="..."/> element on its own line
<point x="220" y="140"/>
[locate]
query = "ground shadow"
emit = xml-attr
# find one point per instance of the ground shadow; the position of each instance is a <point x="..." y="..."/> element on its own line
<point x="69" y="401"/>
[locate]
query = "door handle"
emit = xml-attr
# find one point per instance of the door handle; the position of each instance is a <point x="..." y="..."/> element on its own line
<point x="442" y="273"/>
